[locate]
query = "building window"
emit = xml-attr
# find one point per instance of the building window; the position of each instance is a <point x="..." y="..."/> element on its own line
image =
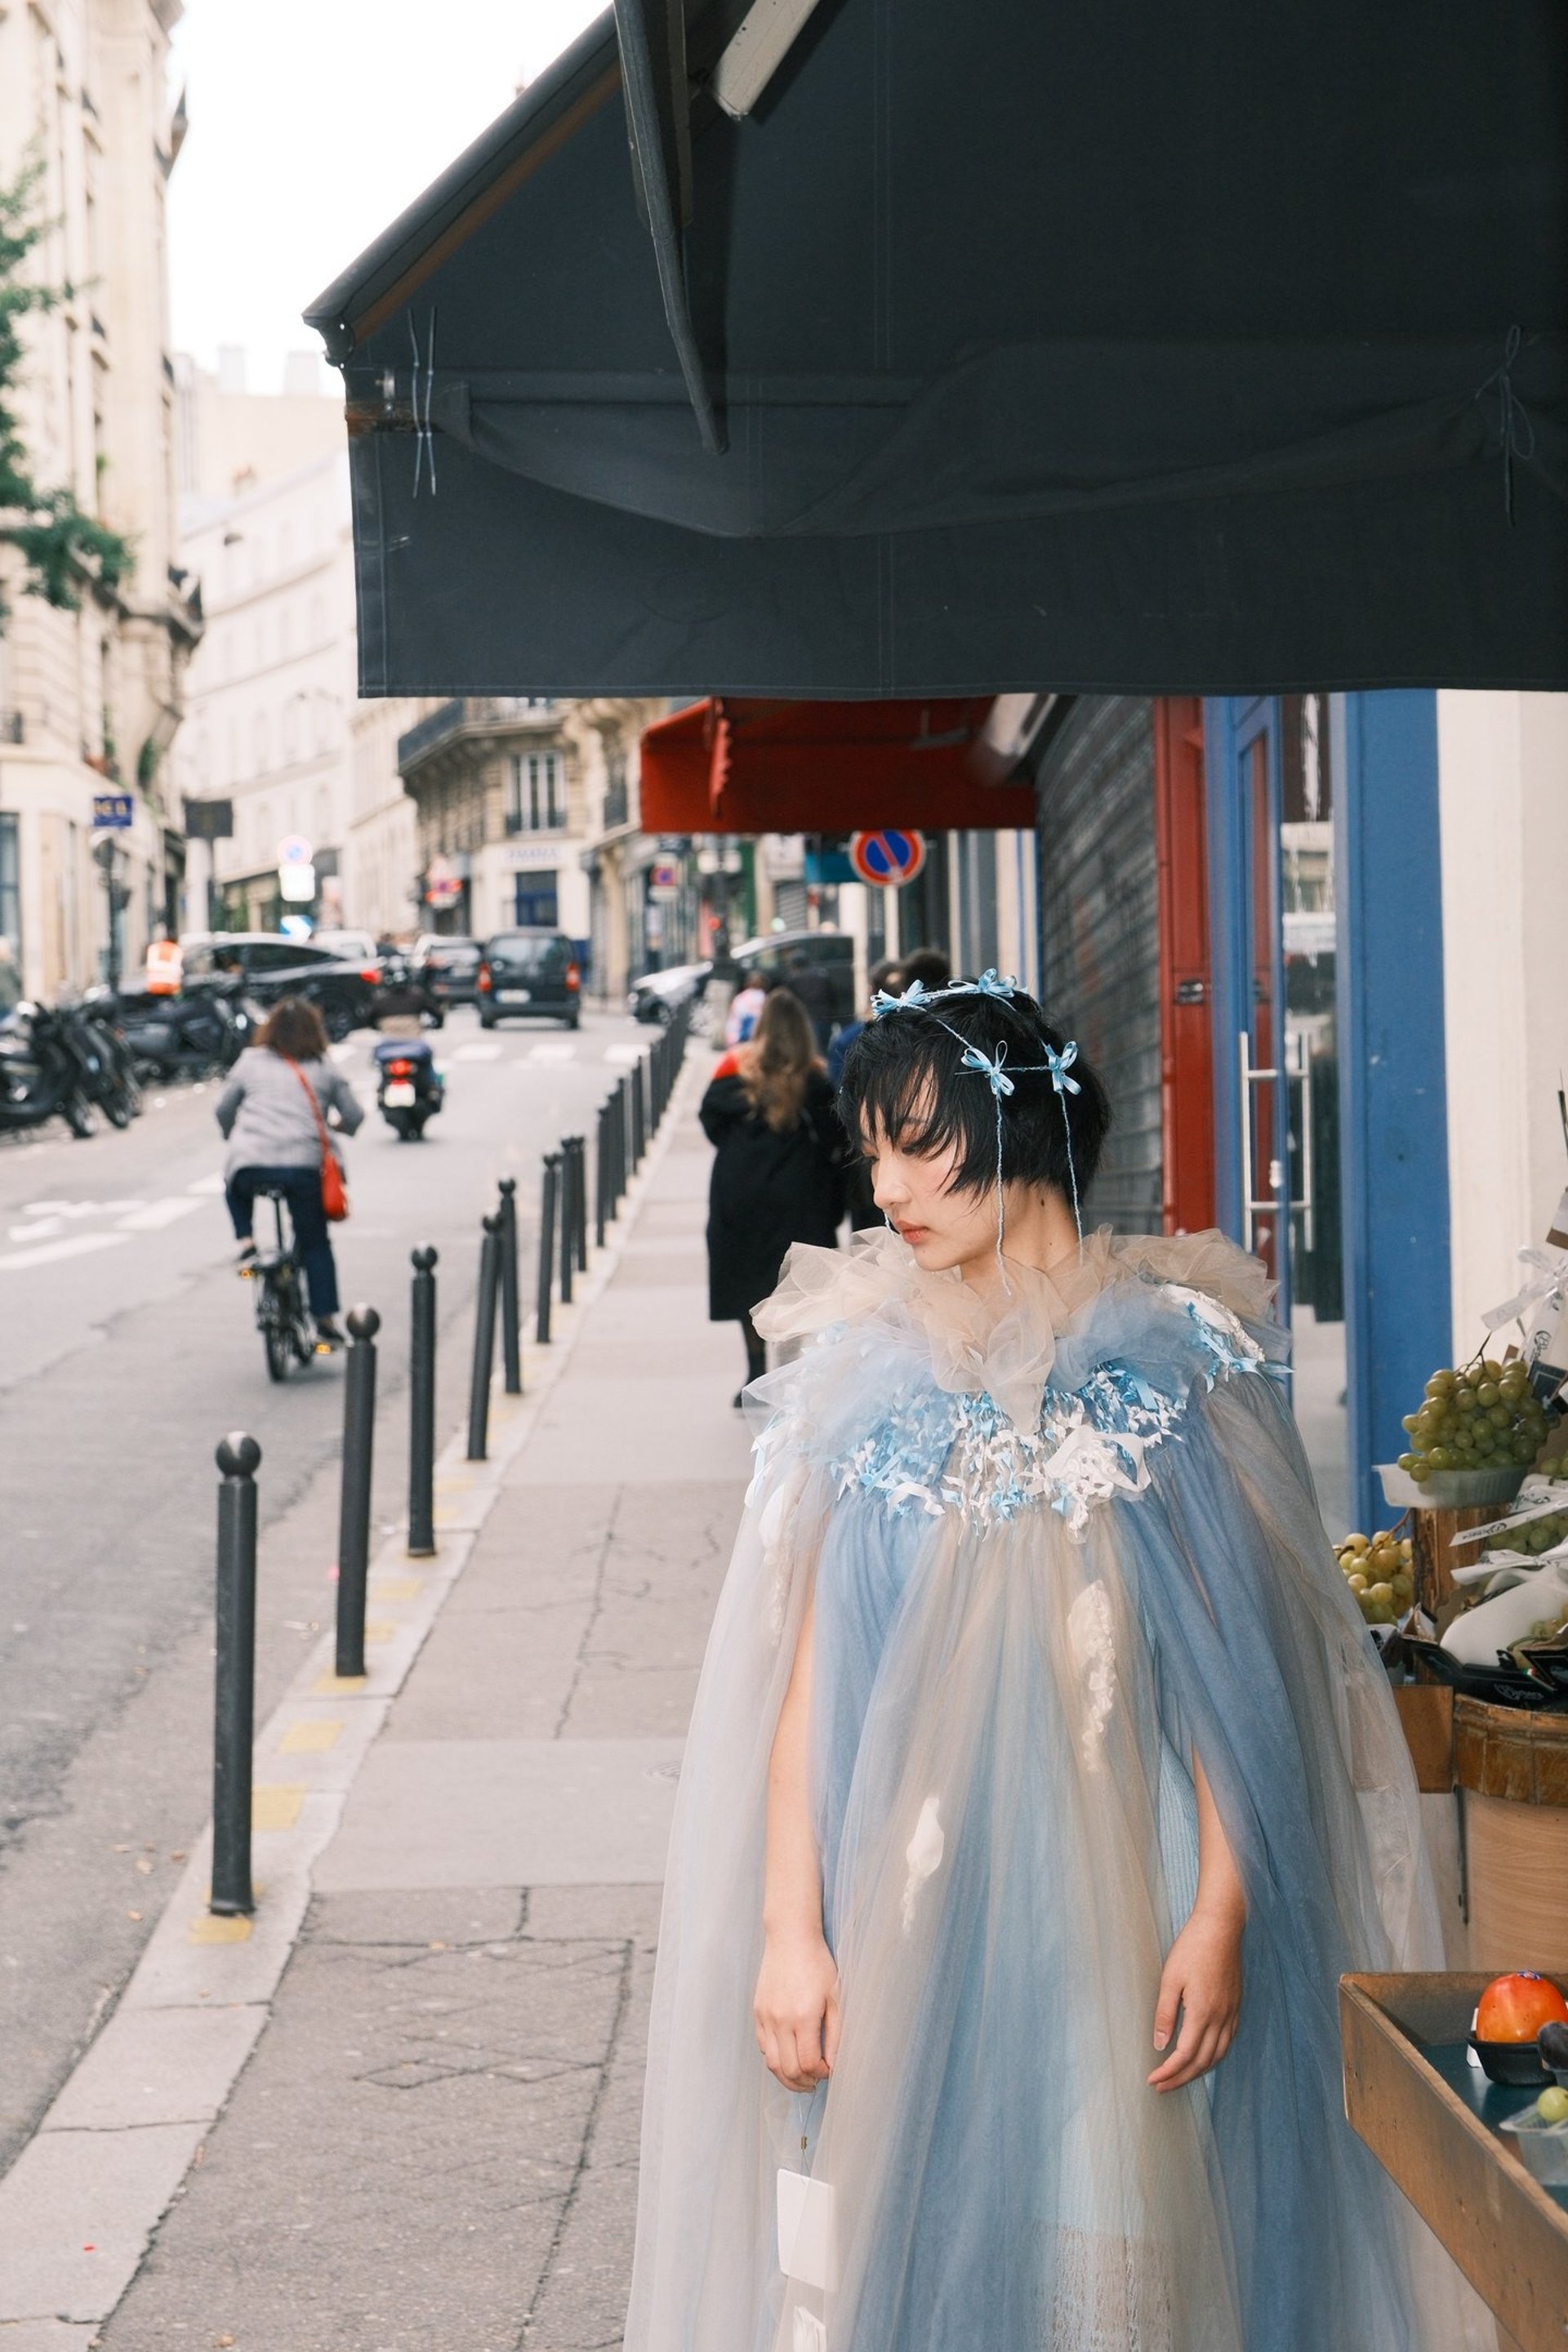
<point x="263" y="755"/>
<point x="536" y="792"/>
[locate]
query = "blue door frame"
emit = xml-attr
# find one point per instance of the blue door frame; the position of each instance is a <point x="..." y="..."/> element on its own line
<point x="1389" y="1017"/>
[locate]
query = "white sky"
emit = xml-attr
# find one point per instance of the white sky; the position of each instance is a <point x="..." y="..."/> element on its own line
<point x="313" y="122"/>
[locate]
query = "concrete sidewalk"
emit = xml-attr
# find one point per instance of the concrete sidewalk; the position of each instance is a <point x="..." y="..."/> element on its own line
<point x="433" y="2144"/>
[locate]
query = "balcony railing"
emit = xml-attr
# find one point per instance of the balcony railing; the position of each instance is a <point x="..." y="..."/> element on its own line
<point x="617" y="806"/>
<point x="473" y="715"/>
<point x="12" y="730"/>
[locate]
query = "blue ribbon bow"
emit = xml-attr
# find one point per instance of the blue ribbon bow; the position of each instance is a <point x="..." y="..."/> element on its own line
<point x="973" y="1058"/>
<point x="1061" y="1064"/>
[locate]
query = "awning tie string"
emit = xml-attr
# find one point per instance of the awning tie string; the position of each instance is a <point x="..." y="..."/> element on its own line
<point x="424" y="431"/>
<point x="1515" y="433"/>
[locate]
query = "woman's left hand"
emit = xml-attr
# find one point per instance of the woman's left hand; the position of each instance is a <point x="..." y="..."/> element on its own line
<point x="1202" y="1980"/>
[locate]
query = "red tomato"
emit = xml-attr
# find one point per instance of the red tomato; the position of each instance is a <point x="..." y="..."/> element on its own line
<point x="1515" y="2008"/>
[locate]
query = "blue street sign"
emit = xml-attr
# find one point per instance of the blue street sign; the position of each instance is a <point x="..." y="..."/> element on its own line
<point x="895" y="854"/>
<point x="112" y="812"/>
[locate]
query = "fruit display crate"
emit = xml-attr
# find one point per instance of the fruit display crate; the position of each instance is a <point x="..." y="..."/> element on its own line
<point x="1433" y="2123"/>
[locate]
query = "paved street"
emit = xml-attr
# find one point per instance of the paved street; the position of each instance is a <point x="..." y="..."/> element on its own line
<point x="129" y="1351"/>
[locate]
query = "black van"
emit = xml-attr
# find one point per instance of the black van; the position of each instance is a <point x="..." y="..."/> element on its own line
<point x="524" y="974"/>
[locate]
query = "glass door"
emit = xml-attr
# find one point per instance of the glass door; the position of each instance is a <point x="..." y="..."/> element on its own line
<point x="1277" y="1092"/>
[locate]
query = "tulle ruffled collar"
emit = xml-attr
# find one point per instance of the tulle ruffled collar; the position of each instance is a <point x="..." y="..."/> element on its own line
<point x="1005" y="1343"/>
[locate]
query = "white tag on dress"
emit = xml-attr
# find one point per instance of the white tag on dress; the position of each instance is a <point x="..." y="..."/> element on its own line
<point x="809" y="2333"/>
<point x="806" y="2252"/>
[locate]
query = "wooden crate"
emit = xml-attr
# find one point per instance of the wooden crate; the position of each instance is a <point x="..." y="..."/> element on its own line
<point x="1508" y="2234"/>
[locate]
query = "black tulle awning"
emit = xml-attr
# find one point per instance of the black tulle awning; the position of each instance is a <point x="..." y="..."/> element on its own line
<point x="997" y="349"/>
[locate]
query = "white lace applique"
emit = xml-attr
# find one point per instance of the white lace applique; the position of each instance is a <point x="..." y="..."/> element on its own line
<point x="923" y="1854"/>
<point x="1094" y="1656"/>
<point x="1224" y="1335"/>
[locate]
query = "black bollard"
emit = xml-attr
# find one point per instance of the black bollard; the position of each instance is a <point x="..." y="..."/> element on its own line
<point x="353" y="1517"/>
<point x="510" y="1312"/>
<point x="484" y="1339"/>
<point x="422" y="1409"/>
<point x="548" y="1191"/>
<point x="640" y="1120"/>
<point x="579" y="1200"/>
<point x="624" y="1161"/>
<point x="601" y="1174"/>
<point x="566" y="1212"/>
<point x="233" y="1724"/>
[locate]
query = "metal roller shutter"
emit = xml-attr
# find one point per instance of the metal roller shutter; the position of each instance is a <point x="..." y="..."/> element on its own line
<point x="1100" y="936"/>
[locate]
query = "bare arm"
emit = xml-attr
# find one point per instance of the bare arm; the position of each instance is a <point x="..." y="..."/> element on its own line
<point x="796" y="2003"/>
<point x="1202" y="1975"/>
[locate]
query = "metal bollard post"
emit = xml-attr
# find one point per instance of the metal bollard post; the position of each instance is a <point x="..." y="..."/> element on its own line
<point x="625" y="1162"/>
<point x="639" y="1118"/>
<point x="233" y="1724"/>
<point x="568" y="1210"/>
<point x="601" y="1174"/>
<point x="484" y="1339"/>
<point x="510" y="1312"/>
<point x="615" y="1182"/>
<point x="580" y="1200"/>
<point x="547" y="1193"/>
<point x="422" y="1408"/>
<point x="354" y="1516"/>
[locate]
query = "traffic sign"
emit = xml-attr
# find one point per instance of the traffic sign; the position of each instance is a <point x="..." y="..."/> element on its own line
<point x="297" y="884"/>
<point x="113" y="811"/>
<point x="294" y="850"/>
<point x="896" y="854"/>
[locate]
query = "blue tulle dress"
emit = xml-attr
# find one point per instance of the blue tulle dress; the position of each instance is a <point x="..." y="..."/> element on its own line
<point x="1061" y="1539"/>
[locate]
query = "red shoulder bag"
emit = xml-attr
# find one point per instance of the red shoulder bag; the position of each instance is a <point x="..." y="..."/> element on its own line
<point x="334" y="1193"/>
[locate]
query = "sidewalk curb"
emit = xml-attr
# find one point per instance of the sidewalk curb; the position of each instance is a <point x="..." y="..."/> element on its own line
<point x="83" y="2202"/>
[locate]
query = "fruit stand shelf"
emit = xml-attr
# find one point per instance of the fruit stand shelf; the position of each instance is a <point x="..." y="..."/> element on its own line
<point x="1432" y="2123"/>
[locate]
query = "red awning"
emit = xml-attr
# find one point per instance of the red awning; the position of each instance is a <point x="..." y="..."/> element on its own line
<point x="730" y="765"/>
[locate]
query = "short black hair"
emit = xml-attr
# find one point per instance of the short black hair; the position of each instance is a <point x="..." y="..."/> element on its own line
<point x="904" y="1078"/>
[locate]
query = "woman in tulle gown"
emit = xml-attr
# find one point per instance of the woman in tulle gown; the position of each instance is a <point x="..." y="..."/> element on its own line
<point x="1041" y="1783"/>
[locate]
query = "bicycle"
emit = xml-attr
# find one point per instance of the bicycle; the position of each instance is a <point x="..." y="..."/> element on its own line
<point x="288" y="1335"/>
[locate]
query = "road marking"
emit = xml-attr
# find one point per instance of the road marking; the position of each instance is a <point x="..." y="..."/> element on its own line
<point x="79" y="1245"/>
<point x="334" y="1685"/>
<point x="398" y="1588"/>
<point x="626" y="1055"/>
<point x="311" y="1735"/>
<point x="43" y="1230"/>
<point x="379" y="1629"/>
<point x="205" y="1185"/>
<point x="553" y="1050"/>
<point x="481" y="1049"/>
<point x="156" y="1215"/>
<point x="277" y="1806"/>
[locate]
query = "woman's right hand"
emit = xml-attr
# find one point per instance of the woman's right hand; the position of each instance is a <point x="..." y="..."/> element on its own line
<point x="796" y="2009"/>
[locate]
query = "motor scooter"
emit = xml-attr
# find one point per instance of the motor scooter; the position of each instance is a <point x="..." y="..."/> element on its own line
<point x="410" y="1089"/>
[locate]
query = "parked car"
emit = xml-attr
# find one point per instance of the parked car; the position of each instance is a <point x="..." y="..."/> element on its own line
<point x="448" y="969"/>
<point x="341" y="989"/>
<point x="769" y="959"/>
<point x="527" y="974"/>
<point x="354" y="947"/>
<point x="658" y="996"/>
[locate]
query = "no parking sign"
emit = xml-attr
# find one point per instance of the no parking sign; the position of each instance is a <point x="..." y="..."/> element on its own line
<point x="896" y="854"/>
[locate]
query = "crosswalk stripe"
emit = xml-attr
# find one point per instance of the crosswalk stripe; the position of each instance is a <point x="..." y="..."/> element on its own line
<point x="482" y="1049"/>
<point x="624" y="1053"/>
<point x="156" y="1214"/>
<point x="557" y="1050"/>
<point x="49" y="1253"/>
<point x="206" y="1185"/>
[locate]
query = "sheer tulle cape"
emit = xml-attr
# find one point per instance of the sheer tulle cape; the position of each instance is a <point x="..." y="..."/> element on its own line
<point x="1011" y="1681"/>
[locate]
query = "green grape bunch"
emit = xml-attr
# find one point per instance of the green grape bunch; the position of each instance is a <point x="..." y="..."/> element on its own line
<point x="1478" y="1416"/>
<point x="1548" y="1628"/>
<point x="1380" y="1571"/>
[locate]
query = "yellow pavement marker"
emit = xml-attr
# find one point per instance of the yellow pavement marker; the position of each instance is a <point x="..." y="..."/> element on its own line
<point x="311" y="1735"/>
<point x="276" y="1805"/>
<point x="209" y="1928"/>
<point x="334" y="1685"/>
<point x="397" y="1588"/>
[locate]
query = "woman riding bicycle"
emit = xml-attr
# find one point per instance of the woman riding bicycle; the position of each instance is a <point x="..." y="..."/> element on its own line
<point x="273" y="1111"/>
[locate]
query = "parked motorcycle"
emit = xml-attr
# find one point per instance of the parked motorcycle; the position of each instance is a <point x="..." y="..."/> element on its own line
<point x="410" y="1089"/>
<point x="196" y="1034"/>
<point x="109" y="1071"/>
<point x="52" y="1065"/>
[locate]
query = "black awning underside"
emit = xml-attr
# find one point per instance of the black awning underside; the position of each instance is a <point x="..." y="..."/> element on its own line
<point x="1122" y="349"/>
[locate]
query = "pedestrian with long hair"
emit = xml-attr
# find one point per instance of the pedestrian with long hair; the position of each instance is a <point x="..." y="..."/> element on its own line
<point x="283" y="1107"/>
<point x="778" y="1165"/>
<point x="1041" y="1783"/>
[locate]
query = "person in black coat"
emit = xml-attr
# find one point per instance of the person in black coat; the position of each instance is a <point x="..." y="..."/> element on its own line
<point x="778" y="1169"/>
